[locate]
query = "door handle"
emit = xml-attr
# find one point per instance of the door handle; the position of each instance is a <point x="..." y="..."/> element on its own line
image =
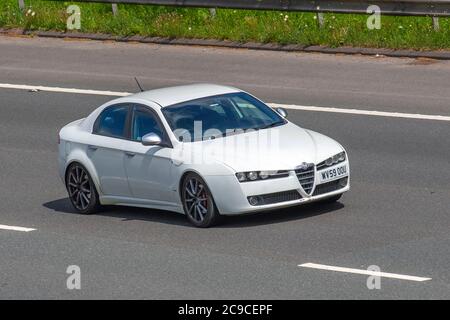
<point x="93" y="148"/>
<point x="130" y="154"/>
<point x="176" y="162"/>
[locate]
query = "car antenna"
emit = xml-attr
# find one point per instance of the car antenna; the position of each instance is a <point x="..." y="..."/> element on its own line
<point x="139" y="85"/>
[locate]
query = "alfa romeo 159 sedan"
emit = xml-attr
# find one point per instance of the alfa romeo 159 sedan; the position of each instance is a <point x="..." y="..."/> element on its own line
<point x="203" y="150"/>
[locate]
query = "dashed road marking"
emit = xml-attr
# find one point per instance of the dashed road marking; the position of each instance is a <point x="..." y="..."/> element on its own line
<point x="62" y="90"/>
<point x="15" y="228"/>
<point x="364" y="112"/>
<point x="273" y="105"/>
<point x="362" y="271"/>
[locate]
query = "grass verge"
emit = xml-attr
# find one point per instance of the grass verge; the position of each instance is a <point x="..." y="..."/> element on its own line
<point x="228" y="24"/>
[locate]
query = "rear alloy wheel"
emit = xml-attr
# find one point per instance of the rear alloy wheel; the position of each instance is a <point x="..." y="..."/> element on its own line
<point x="198" y="203"/>
<point x="81" y="189"/>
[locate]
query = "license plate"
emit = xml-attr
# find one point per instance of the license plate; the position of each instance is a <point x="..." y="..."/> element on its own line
<point x="333" y="173"/>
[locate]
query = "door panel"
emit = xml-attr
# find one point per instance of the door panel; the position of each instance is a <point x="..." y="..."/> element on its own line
<point x="108" y="160"/>
<point x="148" y="167"/>
<point x="149" y="172"/>
<point x="110" y="138"/>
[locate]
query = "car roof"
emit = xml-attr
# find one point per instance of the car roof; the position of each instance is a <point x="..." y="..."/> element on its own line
<point x="173" y="95"/>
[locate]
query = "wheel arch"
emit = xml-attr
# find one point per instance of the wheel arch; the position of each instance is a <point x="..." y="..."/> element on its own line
<point x="180" y="183"/>
<point x="182" y="177"/>
<point x="79" y="157"/>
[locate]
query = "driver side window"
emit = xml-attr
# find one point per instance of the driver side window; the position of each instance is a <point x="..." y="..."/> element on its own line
<point x="144" y="122"/>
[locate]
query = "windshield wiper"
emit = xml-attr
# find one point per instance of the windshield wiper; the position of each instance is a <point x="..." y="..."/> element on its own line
<point x="273" y="124"/>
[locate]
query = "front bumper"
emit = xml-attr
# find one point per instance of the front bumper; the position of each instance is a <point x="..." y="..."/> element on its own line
<point x="232" y="197"/>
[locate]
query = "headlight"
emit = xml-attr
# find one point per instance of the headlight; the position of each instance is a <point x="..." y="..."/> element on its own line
<point x="241" y="176"/>
<point x="261" y="175"/>
<point x="252" y="175"/>
<point x="265" y="174"/>
<point x="340" y="157"/>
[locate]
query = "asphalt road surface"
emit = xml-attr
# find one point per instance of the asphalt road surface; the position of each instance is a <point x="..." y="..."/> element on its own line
<point x="396" y="216"/>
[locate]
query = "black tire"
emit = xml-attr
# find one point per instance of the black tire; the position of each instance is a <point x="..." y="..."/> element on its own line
<point x="81" y="189"/>
<point x="198" y="203"/>
<point x="332" y="199"/>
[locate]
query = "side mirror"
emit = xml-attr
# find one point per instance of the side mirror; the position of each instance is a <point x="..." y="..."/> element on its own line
<point x="151" y="139"/>
<point x="282" y="112"/>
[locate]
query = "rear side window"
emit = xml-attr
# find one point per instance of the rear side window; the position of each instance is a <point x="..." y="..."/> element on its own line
<point x="112" y="122"/>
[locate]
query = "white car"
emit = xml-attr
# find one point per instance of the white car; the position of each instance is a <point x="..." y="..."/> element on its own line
<point x="203" y="150"/>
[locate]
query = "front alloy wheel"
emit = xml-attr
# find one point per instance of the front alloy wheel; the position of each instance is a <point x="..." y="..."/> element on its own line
<point x="81" y="189"/>
<point x="198" y="203"/>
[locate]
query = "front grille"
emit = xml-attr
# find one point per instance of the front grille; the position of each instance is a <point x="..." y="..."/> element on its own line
<point x="306" y="177"/>
<point x="321" y="166"/>
<point x="330" y="186"/>
<point x="276" y="197"/>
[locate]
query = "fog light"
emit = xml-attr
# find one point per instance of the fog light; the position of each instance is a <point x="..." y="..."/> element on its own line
<point x="343" y="182"/>
<point x="253" y="200"/>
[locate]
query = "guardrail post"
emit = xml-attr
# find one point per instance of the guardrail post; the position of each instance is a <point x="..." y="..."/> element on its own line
<point x="320" y="19"/>
<point x="21" y="4"/>
<point x="115" y="10"/>
<point x="212" y="12"/>
<point x="436" y="23"/>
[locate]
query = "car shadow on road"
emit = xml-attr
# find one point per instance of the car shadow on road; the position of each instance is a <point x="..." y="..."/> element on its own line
<point x="299" y="212"/>
<point x="305" y="211"/>
<point x="124" y="213"/>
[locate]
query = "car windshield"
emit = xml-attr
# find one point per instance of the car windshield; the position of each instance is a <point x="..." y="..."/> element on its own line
<point x="218" y="116"/>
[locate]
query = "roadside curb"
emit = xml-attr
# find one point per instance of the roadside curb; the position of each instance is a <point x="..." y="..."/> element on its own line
<point x="441" y="54"/>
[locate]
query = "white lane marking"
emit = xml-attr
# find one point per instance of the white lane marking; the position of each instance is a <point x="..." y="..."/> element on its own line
<point x="363" y="112"/>
<point x="14" y="228"/>
<point x="273" y="105"/>
<point x="63" y="90"/>
<point x="362" y="271"/>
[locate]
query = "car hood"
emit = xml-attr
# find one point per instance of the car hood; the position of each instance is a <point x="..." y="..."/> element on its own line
<point x="279" y="148"/>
